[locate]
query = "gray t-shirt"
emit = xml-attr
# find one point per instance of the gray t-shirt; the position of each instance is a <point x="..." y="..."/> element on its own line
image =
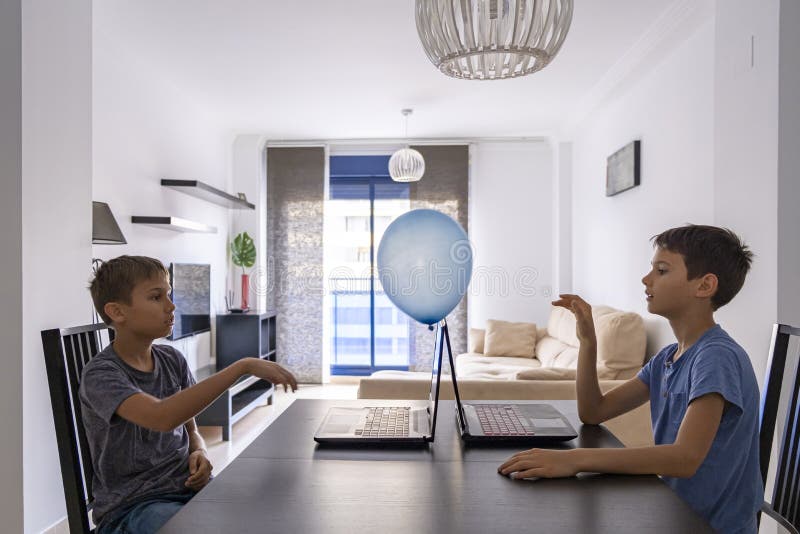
<point x="131" y="462"/>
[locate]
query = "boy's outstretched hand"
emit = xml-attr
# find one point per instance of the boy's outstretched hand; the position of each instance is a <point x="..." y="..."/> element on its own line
<point x="199" y="470"/>
<point x="271" y="372"/>
<point x="583" y="316"/>
<point x="542" y="463"/>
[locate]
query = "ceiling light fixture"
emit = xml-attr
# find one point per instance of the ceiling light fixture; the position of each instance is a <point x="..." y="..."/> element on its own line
<point x="492" y="39"/>
<point x="406" y="165"/>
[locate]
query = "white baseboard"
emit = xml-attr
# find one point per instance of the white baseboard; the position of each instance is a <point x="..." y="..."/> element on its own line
<point x="59" y="527"/>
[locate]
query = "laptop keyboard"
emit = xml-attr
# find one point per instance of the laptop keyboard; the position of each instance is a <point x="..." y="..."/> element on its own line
<point x="502" y="420"/>
<point x="385" y="422"/>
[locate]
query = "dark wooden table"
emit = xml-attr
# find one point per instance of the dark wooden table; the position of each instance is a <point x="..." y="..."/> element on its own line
<point x="284" y="482"/>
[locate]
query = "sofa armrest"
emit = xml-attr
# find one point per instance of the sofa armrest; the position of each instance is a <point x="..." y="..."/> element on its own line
<point x="416" y="386"/>
<point x="395" y="385"/>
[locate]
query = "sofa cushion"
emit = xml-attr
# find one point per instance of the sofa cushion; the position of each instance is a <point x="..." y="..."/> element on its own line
<point x="471" y="365"/>
<point x="541" y="332"/>
<point x="475" y="342"/>
<point x="621" y="339"/>
<point x="561" y="325"/>
<point x="504" y="338"/>
<point x="549" y="350"/>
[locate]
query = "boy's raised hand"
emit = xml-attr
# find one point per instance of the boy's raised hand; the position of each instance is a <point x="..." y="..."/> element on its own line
<point x="271" y="372"/>
<point x="199" y="470"/>
<point x="583" y="316"/>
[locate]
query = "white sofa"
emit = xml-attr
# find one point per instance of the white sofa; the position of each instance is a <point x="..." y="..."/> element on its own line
<point x="621" y="342"/>
<point x="544" y="368"/>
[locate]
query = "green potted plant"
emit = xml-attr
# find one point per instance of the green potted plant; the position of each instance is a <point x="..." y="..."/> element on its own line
<point x="243" y="254"/>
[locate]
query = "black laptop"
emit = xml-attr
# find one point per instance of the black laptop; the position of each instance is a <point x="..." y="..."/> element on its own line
<point x="484" y="422"/>
<point x="386" y="424"/>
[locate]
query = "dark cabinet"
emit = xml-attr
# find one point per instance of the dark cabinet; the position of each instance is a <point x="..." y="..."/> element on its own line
<point x="244" y="334"/>
<point x="240" y="335"/>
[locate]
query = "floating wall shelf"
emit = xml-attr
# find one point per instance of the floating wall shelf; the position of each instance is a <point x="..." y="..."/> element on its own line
<point x="206" y="192"/>
<point x="175" y="224"/>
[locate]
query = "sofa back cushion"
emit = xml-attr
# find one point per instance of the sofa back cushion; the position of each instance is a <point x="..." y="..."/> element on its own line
<point x="621" y="339"/>
<point x="505" y="338"/>
<point x="552" y="352"/>
<point x="475" y="341"/>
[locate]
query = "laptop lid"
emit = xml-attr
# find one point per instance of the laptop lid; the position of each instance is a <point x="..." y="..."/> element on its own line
<point x="560" y="432"/>
<point x="328" y="435"/>
<point x="460" y="416"/>
<point x="436" y="380"/>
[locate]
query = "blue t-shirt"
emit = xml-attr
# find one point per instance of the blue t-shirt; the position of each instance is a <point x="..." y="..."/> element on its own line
<point x="727" y="488"/>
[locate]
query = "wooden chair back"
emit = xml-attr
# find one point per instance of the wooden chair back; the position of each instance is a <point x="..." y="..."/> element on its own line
<point x="785" y="504"/>
<point x="66" y="352"/>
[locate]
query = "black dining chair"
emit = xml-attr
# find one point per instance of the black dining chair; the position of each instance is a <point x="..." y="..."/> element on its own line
<point x="66" y="352"/>
<point x="785" y="505"/>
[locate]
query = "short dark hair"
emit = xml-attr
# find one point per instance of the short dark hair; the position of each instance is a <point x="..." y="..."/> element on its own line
<point x="709" y="249"/>
<point x="115" y="279"/>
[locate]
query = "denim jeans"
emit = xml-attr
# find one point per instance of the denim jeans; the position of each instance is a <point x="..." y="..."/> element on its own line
<point x="145" y="516"/>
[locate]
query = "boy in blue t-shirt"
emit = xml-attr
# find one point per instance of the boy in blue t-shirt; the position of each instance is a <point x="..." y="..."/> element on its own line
<point x="703" y="394"/>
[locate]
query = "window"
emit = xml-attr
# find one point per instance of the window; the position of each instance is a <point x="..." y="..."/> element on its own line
<point x="367" y="332"/>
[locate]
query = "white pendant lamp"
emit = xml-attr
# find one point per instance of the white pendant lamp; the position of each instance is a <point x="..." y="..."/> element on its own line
<point x="407" y="164"/>
<point x="492" y="39"/>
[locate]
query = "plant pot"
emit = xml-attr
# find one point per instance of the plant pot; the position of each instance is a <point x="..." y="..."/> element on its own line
<point x="245" y="291"/>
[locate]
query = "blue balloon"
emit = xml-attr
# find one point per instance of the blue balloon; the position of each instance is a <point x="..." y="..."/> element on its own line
<point x="425" y="264"/>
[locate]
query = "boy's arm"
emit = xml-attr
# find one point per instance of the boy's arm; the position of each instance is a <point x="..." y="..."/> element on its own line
<point x="622" y="399"/>
<point x="165" y="415"/>
<point x="680" y="459"/>
<point x="200" y="467"/>
<point x="593" y="406"/>
<point x="196" y="441"/>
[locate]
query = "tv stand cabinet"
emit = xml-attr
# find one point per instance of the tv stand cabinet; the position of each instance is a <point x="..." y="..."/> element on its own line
<point x="240" y="335"/>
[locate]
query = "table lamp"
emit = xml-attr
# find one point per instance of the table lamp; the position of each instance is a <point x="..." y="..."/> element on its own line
<point x="105" y="230"/>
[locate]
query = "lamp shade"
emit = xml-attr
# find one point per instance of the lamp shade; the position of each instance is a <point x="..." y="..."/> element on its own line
<point x="105" y="230"/>
<point x="406" y="165"/>
<point x="492" y="39"/>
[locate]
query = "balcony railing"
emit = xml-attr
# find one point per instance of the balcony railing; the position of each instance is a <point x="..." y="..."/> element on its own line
<point x="354" y="333"/>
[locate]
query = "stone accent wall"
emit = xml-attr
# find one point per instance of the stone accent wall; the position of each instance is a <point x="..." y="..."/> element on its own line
<point x="295" y="198"/>
<point x="444" y="187"/>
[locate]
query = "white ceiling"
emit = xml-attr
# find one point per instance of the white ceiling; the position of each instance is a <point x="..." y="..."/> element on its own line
<point x="338" y="69"/>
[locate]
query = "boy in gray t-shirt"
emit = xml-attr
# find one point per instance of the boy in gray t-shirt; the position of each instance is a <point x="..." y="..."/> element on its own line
<point x="139" y="401"/>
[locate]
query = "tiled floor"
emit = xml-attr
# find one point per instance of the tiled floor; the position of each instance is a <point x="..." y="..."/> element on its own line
<point x="221" y="453"/>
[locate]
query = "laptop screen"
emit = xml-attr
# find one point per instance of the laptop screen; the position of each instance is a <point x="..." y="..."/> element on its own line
<point x="437" y="361"/>
<point x="433" y="399"/>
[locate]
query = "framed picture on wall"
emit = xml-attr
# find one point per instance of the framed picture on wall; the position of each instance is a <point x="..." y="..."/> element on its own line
<point x="622" y="168"/>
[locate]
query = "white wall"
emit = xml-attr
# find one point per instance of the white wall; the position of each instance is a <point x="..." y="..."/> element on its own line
<point x="11" y="441"/>
<point x="146" y="130"/>
<point x="718" y="147"/>
<point x="746" y="161"/>
<point x="249" y="177"/>
<point x="511" y="228"/>
<point x="789" y="164"/>
<point x="670" y="109"/>
<point x="562" y="217"/>
<point x="757" y="165"/>
<point x="143" y="130"/>
<point x="56" y="223"/>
